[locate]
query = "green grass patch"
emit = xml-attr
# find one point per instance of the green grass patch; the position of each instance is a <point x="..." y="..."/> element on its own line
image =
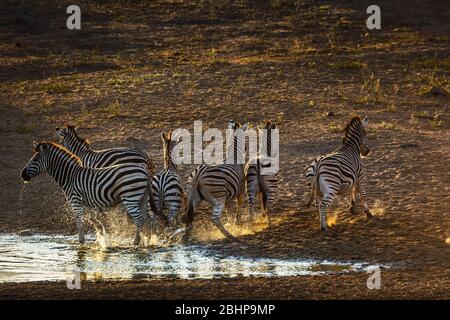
<point x="55" y="87"/>
<point x="348" y="65"/>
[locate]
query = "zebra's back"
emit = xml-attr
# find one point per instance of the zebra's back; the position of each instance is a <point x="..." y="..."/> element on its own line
<point x="118" y="156"/>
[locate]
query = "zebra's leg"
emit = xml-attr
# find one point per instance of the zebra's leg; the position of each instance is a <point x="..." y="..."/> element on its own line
<point x="362" y="191"/>
<point x="78" y="213"/>
<point x="327" y="199"/>
<point x="353" y="200"/>
<point x="216" y="218"/>
<point x="189" y="218"/>
<point x="138" y="218"/>
<point x="239" y="202"/>
<point x="174" y="208"/>
<point x="251" y="194"/>
<point x="323" y="208"/>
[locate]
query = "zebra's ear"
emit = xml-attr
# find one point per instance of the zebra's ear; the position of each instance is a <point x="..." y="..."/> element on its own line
<point x="163" y="136"/>
<point x="365" y="122"/>
<point x="245" y="126"/>
<point x="35" y="145"/>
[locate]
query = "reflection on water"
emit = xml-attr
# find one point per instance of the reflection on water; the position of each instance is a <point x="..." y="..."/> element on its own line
<point x="52" y="258"/>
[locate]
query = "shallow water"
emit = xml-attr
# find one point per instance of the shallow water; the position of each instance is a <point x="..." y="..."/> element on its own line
<point x="53" y="258"/>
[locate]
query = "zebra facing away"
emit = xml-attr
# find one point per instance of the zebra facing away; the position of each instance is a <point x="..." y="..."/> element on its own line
<point x="102" y="158"/>
<point x="98" y="188"/>
<point x="167" y="190"/>
<point x="342" y="171"/>
<point x="257" y="183"/>
<point x="219" y="184"/>
<point x="309" y="177"/>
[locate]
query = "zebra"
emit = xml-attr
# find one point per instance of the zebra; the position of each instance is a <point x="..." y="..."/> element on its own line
<point x="342" y="171"/>
<point x="219" y="184"/>
<point x="309" y="177"/>
<point x="257" y="183"/>
<point x="166" y="187"/>
<point x="102" y="158"/>
<point x="98" y="188"/>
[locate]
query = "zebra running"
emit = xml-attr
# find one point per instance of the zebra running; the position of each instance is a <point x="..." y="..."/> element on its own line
<point x="309" y="177"/>
<point x="166" y="188"/>
<point x="98" y="188"/>
<point x="342" y="171"/>
<point x="256" y="183"/>
<point x="102" y="158"/>
<point x="219" y="184"/>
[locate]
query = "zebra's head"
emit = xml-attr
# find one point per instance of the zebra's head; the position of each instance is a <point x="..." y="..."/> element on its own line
<point x="70" y="139"/>
<point x="236" y="146"/>
<point x="355" y="134"/>
<point x="169" y="142"/>
<point x="38" y="162"/>
<point x="266" y="138"/>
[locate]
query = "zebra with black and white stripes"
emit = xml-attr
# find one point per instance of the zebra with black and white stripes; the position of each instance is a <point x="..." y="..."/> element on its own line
<point x="166" y="188"/>
<point x="266" y="185"/>
<point x="102" y="158"/>
<point x="342" y="171"/>
<point x="220" y="184"/>
<point x="98" y="188"/>
<point x="309" y="177"/>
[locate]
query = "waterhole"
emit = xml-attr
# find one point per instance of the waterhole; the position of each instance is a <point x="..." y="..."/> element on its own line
<point x="57" y="257"/>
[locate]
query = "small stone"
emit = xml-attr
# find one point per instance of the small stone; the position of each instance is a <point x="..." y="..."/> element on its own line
<point x="438" y="91"/>
<point x="330" y="114"/>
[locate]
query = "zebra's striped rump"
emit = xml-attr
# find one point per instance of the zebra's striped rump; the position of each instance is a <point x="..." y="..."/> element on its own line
<point x="166" y="188"/>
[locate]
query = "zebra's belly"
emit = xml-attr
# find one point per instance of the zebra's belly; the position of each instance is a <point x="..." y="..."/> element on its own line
<point x="101" y="205"/>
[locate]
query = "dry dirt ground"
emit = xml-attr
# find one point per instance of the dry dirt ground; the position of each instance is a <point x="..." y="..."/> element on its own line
<point x="139" y="67"/>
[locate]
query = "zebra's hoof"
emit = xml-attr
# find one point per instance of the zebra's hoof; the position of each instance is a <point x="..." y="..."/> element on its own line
<point x="323" y="228"/>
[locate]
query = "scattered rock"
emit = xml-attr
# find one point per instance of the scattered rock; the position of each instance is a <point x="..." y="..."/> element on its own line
<point x="437" y="91"/>
<point x="330" y="114"/>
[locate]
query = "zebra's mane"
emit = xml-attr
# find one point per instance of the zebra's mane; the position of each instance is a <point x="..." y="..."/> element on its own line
<point x="59" y="148"/>
<point x="349" y="126"/>
<point x="74" y="130"/>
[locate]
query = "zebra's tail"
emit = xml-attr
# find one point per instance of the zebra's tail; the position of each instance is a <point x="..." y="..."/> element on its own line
<point x="150" y="166"/>
<point x="193" y="198"/>
<point x="161" y="201"/>
<point x="315" y="183"/>
<point x="151" y="200"/>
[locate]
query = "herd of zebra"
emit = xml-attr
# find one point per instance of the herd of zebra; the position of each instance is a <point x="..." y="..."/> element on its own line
<point x="102" y="179"/>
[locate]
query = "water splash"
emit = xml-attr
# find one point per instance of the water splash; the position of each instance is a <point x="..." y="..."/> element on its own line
<point x="205" y="231"/>
<point x="332" y="219"/>
<point x="54" y="258"/>
<point x="378" y="208"/>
